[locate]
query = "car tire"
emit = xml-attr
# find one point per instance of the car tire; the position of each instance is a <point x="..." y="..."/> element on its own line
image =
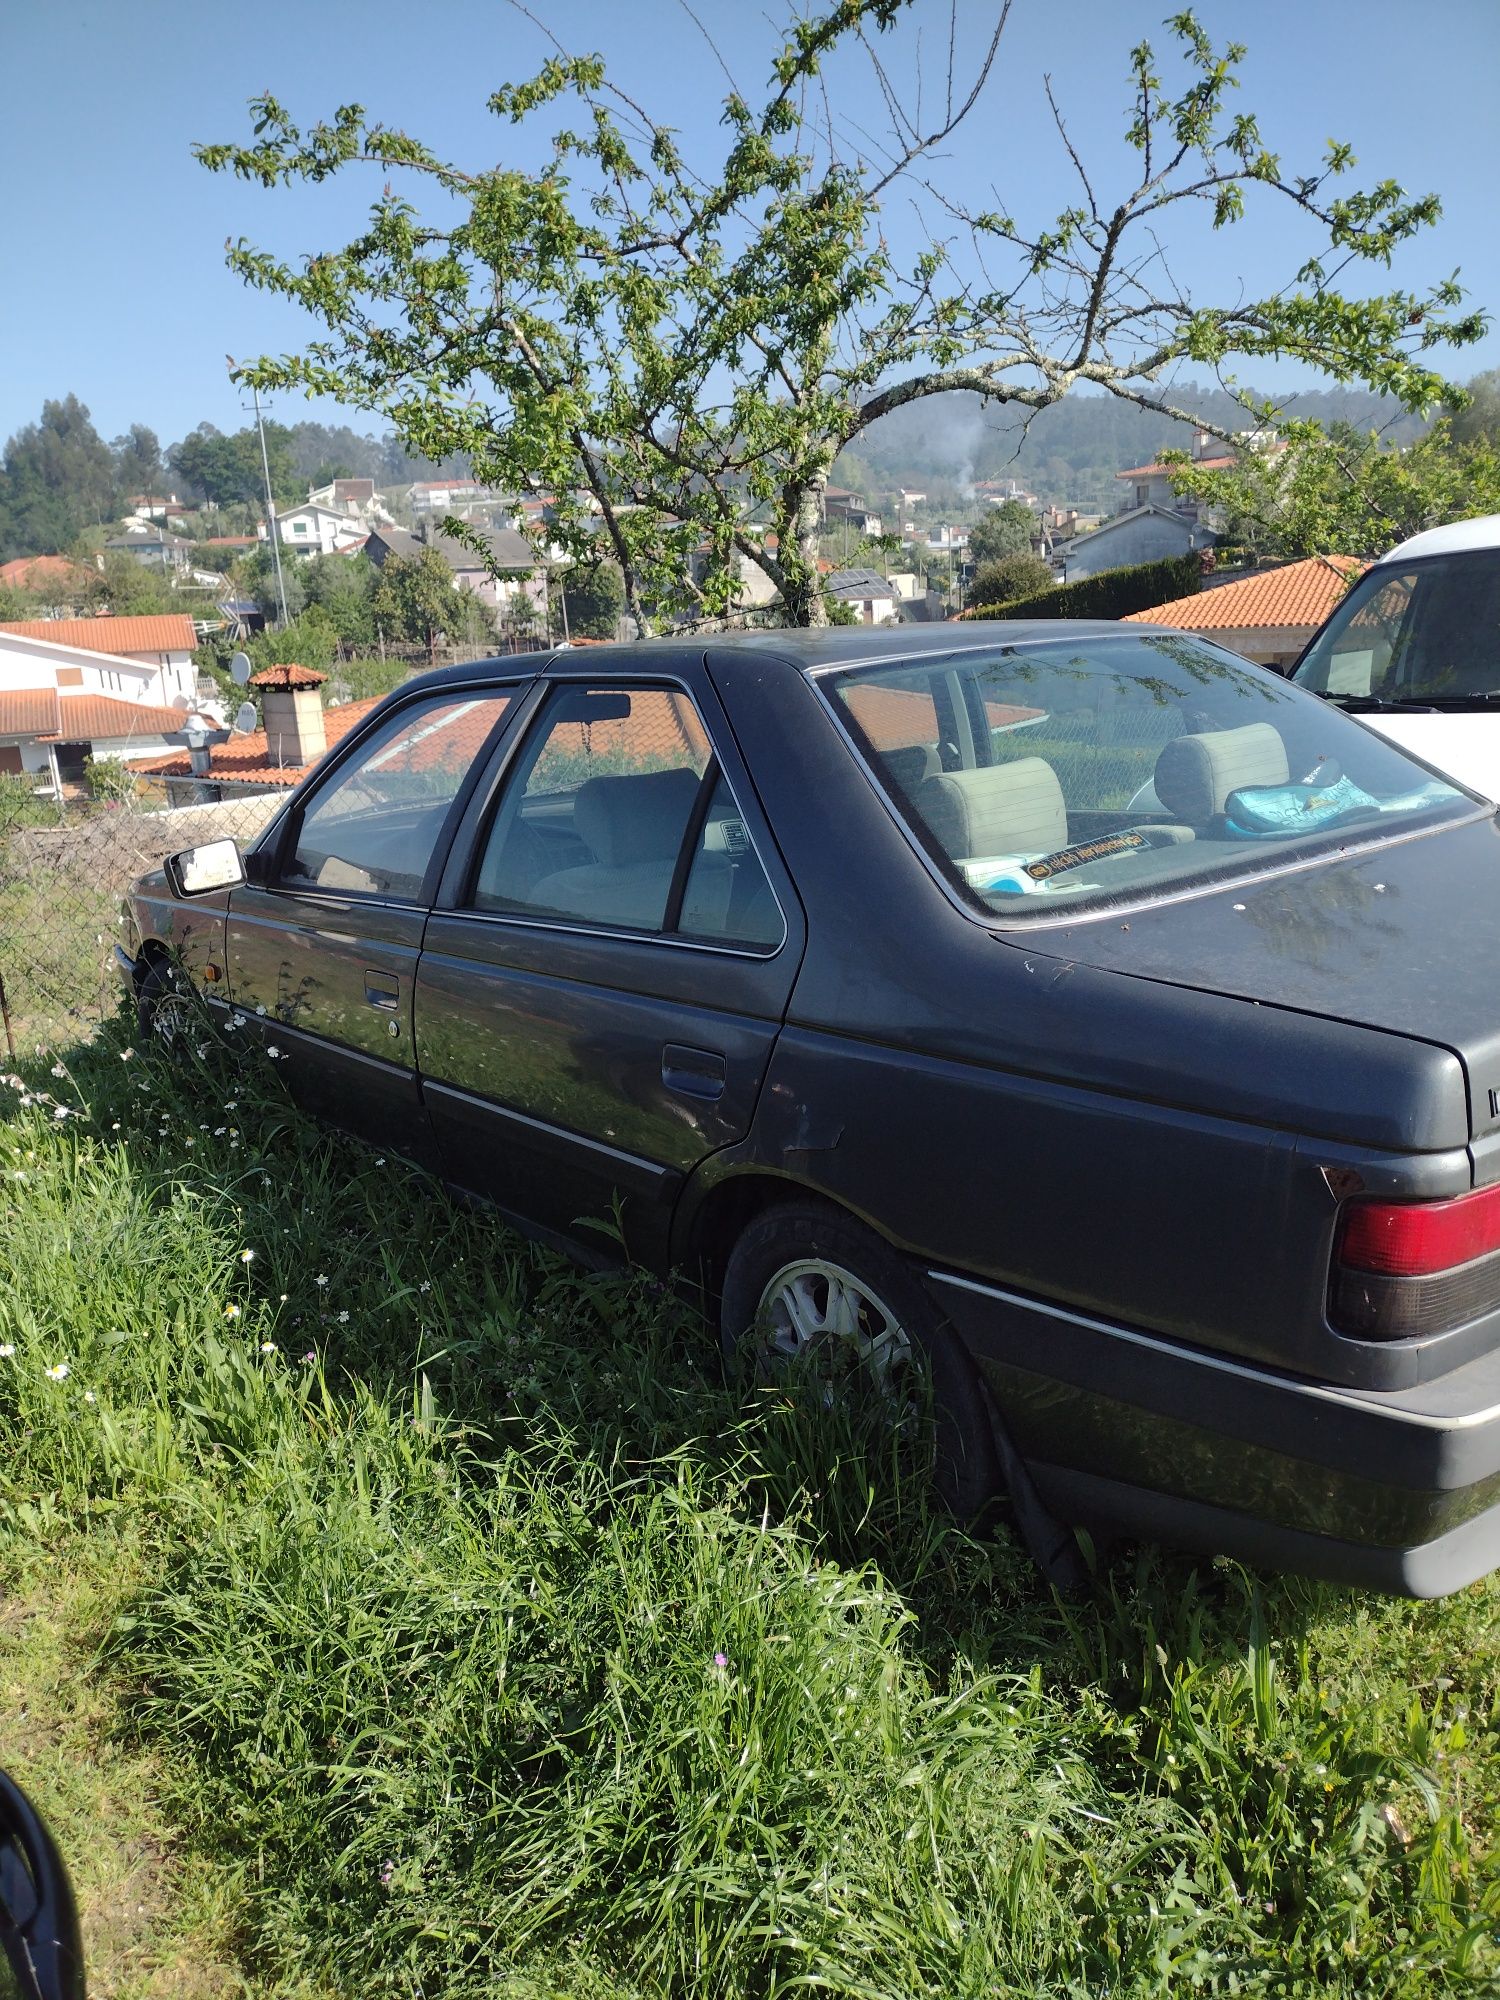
<point x="778" y="1303"/>
<point x="163" y="1005"/>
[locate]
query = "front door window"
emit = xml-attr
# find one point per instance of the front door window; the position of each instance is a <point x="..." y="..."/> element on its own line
<point x="373" y="829"/>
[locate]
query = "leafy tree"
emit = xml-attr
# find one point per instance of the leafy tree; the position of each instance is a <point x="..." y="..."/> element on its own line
<point x="417" y="600"/>
<point x="593" y="596"/>
<point x="1005" y="530"/>
<point x="684" y="348"/>
<point x="226" y="468"/>
<point x="138" y="463"/>
<point x="255" y="574"/>
<point x="307" y="641"/>
<point x="1343" y="492"/>
<point x="58" y="477"/>
<point x="343" y="589"/>
<point x="359" y="680"/>
<point x="1020" y="574"/>
<point x="1480" y="420"/>
<point x="131" y="589"/>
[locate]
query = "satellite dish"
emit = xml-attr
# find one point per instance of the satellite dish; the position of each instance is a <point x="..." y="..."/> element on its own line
<point x="239" y="668"/>
<point x="244" y="719"/>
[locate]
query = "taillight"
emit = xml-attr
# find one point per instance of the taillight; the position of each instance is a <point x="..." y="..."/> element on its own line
<point x="1416" y="1267"/>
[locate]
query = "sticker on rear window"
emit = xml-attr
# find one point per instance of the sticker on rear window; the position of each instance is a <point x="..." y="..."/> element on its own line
<point x="1081" y="855"/>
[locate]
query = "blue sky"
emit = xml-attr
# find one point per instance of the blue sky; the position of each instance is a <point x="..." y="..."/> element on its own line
<point x="112" y="236"/>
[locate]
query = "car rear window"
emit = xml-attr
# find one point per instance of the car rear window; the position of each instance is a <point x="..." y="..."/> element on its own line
<point x="1075" y="772"/>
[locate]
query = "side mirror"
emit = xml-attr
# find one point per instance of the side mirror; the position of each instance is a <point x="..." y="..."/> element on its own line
<point x="215" y="865"/>
<point x="38" y="1920"/>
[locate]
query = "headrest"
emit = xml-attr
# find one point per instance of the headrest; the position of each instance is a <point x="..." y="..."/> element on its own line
<point x="1000" y="809"/>
<point x="634" y="818"/>
<point x="910" y="765"/>
<point x="1196" y="774"/>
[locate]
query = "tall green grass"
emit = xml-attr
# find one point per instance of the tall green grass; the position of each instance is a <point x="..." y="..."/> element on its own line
<point x="498" y="1645"/>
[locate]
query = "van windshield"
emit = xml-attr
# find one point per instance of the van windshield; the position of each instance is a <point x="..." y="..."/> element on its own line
<point x="1069" y="773"/>
<point x="1424" y="634"/>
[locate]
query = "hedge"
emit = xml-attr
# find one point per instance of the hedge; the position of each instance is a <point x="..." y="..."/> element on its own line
<point x="1110" y="594"/>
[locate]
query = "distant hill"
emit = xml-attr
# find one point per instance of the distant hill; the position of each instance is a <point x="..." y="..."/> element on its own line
<point x="1072" y="451"/>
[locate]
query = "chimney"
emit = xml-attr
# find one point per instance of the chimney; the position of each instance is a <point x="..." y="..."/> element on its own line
<point x="292" y="703"/>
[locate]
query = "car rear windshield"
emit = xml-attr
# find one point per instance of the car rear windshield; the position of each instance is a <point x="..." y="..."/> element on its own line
<point x="1425" y="633"/>
<point x="1068" y="773"/>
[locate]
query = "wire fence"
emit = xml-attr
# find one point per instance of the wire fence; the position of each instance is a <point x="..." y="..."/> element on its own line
<point x="64" y="869"/>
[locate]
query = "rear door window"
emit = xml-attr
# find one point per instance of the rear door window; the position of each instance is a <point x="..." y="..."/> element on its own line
<point x="618" y="817"/>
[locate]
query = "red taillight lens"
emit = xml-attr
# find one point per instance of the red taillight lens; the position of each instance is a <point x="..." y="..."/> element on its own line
<point x="1404" y="1269"/>
<point x="1415" y="1238"/>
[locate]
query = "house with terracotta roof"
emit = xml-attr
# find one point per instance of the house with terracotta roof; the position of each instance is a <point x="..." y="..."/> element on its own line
<point x="1268" y="616"/>
<point x="66" y="696"/>
<point x="163" y="643"/>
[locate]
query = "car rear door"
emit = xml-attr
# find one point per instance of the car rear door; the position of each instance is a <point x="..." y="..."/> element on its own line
<point x="609" y="960"/>
<point x="321" y="950"/>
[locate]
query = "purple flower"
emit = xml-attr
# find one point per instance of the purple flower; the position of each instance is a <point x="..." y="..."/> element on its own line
<point x="387" y="1870"/>
<point x="721" y="1659"/>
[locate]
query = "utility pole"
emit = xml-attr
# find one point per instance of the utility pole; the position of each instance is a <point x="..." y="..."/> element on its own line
<point x="271" y="527"/>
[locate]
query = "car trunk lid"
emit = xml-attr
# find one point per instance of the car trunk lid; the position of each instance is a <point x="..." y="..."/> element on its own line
<point x="1403" y="937"/>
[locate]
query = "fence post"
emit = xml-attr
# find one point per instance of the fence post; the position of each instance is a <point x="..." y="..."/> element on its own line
<point x="10" y="1040"/>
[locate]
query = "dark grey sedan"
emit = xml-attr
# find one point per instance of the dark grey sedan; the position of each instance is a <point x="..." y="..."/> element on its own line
<point x="1164" y="1138"/>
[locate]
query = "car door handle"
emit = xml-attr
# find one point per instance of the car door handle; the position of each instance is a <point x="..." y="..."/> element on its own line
<point x="381" y="990"/>
<point x="694" y="1072"/>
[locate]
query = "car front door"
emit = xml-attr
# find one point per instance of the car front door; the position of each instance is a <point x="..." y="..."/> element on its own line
<point x="608" y="963"/>
<point x="322" y="948"/>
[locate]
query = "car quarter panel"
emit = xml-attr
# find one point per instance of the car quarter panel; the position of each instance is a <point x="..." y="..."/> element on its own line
<point x="1131" y="1147"/>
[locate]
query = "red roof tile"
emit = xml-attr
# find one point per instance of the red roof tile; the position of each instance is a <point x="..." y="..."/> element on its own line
<point x="289" y="675"/>
<point x="36" y="572"/>
<point x="1205" y="464"/>
<point x="1299" y="594"/>
<point x="27" y="712"/>
<point x="83" y="718"/>
<point x="246" y="760"/>
<point x="166" y="632"/>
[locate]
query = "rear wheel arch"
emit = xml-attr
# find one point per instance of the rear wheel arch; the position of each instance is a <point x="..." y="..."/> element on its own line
<point x="727" y="1210"/>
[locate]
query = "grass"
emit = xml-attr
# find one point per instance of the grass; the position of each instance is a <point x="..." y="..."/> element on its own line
<point x="434" y="1618"/>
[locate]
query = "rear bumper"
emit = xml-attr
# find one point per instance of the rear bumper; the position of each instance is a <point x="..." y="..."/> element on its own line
<point x="1397" y="1490"/>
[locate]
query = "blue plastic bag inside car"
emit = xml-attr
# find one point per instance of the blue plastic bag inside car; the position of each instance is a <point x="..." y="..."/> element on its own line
<point x="1263" y="809"/>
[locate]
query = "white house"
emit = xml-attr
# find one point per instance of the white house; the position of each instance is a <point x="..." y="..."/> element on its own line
<point x="315" y="530"/>
<point x="442" y="496"/>
<point x="1144" y="534"/>
<point x="868" y="594"/>
<point x="146" y="659"/>
<point x="354" y="497"/>
<point x="63" y="703"/>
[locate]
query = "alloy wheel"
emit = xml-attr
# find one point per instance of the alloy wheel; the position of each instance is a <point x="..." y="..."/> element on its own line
<point x="818" y="1312"/>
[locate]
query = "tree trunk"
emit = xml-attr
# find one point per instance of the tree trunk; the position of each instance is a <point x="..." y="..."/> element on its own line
<point x="802" y="591"/>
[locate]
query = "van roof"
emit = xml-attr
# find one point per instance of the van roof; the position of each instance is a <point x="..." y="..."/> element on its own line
<point x="1481" y="533"/>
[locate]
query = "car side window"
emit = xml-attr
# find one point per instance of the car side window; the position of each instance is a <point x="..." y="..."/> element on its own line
<point x="373" y="828"/>
<point x="617" y="816"/>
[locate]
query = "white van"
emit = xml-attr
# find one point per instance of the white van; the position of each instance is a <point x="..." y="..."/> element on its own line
<point x="1414" y="651"/>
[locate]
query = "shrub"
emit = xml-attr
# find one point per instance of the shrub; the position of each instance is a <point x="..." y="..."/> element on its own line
<point x="1019" y="574"/>
<point x="1114" y="593"/>
<point x="109" y="778"/>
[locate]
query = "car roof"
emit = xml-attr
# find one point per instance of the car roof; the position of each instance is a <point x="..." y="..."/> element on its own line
<point x="803" y="648"/>
<point x="1483" y="532"/>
